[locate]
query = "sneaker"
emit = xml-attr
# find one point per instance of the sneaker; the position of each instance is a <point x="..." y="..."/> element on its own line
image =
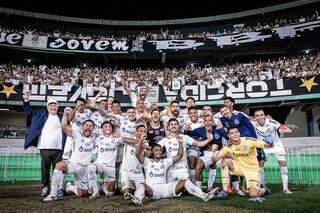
<point x="95" y="194"/>
<point x="240" y="192"/>
<point x="60" y="193"/>
<point x="267" y="191"/>
<point x="50" y="198"/>
<point x="132" y="199"/>
<point x="287" y="191"/>
<point x="67" y="187"/>
<point x="222" y="194"/>
<point x="44" y="191"/>
<point x="211" y="194"/>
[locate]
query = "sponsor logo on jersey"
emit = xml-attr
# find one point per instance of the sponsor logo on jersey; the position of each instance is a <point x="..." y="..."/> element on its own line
<point x="236" y="122"/>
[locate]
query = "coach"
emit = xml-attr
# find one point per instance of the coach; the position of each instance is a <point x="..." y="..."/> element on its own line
<point x="46" y="134"/>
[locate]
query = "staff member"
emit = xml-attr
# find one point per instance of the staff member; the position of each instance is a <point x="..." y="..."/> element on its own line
<point x="46" y="134"/>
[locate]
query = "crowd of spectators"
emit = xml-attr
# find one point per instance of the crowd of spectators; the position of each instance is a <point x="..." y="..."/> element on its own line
<point x="169" y="34"/>
<point x="286" y="67"/>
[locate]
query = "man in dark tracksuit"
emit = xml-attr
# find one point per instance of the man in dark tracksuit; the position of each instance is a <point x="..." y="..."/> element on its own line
<point x="46" y="134"/>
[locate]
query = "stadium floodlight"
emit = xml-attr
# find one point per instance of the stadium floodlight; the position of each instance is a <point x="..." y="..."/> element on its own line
<point x="307" y="51"/>
<point x="29" y="60"/>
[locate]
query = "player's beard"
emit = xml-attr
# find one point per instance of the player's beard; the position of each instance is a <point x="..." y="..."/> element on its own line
<point x="87" y="132"/>
<point x="261" y="122"/>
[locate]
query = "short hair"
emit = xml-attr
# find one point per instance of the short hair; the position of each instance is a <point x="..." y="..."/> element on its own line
<point x="141" y="125"/>
<point x="231" y="127"/>
<point x="257" y="110"/>
<point x="207" y="106"/>
<point x="107" y="122"/>
<point x="115" y="102"/>
<point x="88" y="120"/>
<point x="131" y="107"/>
<point x="154" y="110"/>
<point x="155" y="145"/>
<point x="190" y="98"/>
<point x="174" y="102"/>
<point x="208" y="116"/>
<point x="81" y="99"/>
<point x="172" y="119"/>
<point x="223" y="106"/>
<point x="229" y="98"/>
<point x="191" y="108"/>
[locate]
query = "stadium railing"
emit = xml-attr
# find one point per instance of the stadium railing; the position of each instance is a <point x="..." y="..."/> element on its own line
<point x="303" y="165"/>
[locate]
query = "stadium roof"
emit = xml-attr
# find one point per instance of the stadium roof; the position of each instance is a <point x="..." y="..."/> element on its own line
<point x="138" y="9"/>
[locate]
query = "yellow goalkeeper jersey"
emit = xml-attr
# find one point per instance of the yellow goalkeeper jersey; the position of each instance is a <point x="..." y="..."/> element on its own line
<point x="244" y="154"/>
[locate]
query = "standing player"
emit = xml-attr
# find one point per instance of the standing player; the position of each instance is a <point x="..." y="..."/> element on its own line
<point x="83" y="144"/>
<point x="243" y="162"/>
<point x="106" y="148"/>
<point x="142" y="94"/>
<point x="174" y="112"/>
<point x="180" y="170"/>
<point x="267" y="130"/>
<point x="193" y="121"/>
<point x="155" y="128"/>
<point x="156" y="171"/>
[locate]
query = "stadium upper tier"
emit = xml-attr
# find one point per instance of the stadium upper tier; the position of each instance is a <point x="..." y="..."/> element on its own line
<point x="281" y="68"/>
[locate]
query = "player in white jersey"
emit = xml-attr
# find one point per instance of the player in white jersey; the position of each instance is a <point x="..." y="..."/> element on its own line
<point x="142" y="94"/>
<point x="156" y="169"/>
<point x="132" y="176"/>
<point x="173" y="111"/>
<point x="267" y="130"/>
<point x="82" y="153"/>
<point x="192" y="123"/>
<point x="105" y="164"/>
<point x="180" y="170"/>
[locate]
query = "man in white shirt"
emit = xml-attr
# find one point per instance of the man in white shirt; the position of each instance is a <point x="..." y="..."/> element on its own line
<point x="46" y="134"/>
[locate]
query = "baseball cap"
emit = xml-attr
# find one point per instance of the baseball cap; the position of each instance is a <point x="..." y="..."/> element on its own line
<point x="52" y="101"/>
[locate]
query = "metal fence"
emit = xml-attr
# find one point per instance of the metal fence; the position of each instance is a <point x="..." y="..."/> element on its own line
<point x="303" y="165"/>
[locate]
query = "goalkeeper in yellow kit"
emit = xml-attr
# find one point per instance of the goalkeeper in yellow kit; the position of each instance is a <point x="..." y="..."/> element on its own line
<point x="239" y="158"/>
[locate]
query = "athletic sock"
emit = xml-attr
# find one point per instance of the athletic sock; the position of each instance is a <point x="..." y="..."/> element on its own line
<point x="211" y="177"/>
<point x="57" y="175"/>
<point x="193" y="175"/>
<point x="235" y="185"/>
<point x="284" y="176"/>
<point x="199" y="184"/>
<point x="225" y="178"/>
<point x="92" y="169"/>
<point x="109" y="194"/>
<point x="194" y="190"/>
<point x="262" y="176"/>
<point x="61" y="184"/>
<point x="139" y="193"/>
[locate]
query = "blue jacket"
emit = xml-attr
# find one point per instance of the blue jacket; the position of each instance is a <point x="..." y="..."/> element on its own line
<point x="38" y="119"/>
<point x="241" y="122"/>
<point x="201" y="134"/>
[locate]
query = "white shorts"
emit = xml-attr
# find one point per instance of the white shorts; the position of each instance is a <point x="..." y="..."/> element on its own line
<point x="108" y="172"/>
<point x="177" y="173"/>
<point x="193" y="151"/>
<point x="80" y="174"/>
<point x="277" y="150"/>
<point x="120" y="153"/>
<point x="165" y="190"/>
<point x="207" y="159"/>
<point x="129" y="179"/>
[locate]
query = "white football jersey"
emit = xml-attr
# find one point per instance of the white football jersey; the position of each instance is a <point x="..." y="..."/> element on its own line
<point x="127" y="129"/>
<point x="156" y="172"/>
<point x="107" y="149"/>
<point x="98" y="119"/>
<point x="196" y="125"/>
<point x="79" y="118"/>
<point x="268" y="132"/>
<point x="172" y="146"/>
<point x="83" y="148"/>
<point x="130" y="162"/>
<point x="117" y="119"/>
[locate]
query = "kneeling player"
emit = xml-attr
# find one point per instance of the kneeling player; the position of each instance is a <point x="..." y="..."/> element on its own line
<point x="105" y="164"/>
<point x="156" y="171"/>
<point x="244" y="161"/>
<point x="83" y="149"/>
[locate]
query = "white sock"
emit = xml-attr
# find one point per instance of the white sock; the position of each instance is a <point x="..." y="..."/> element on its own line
<point x="109" y="194"/>
<point x="211" y="177"/>
<point x="61" y="184"/>
<point x="284" y="176"/>
<point x="139" y="193"/>
<point x="235" y="185"/>
<point x="57" y="175"/>
<point x="92" y="169"/>
<point x="262" y="181"/>
<point x="193" y="175"/>
<point x="194" y="190"/>
<point x="72" y="188"/>
<point x="199" y="184"/>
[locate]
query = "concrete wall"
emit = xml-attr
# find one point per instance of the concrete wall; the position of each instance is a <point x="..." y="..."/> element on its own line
<point x="316" y="116"/>
<point x="13" y="118"/>
<point x="298" y="122"/>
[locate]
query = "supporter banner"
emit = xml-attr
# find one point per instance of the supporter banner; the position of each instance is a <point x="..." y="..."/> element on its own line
<point x="252" y="92"/>
<point x="88" y="45"/>
<point x="11" y="38"/>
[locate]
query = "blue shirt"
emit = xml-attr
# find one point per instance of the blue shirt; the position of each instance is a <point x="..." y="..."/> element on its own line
<point x="201" y="134"/>
<point x="241" y="122"/>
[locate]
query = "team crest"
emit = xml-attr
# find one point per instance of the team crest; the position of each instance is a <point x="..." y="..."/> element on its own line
<point x="245" y="148"/>
<point x="162" y="166"/>
<point x="216" y="136"/>
<point x="236" y="122"/>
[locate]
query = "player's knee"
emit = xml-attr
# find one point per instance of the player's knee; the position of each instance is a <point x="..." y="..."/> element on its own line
<point x="282" y="163"/>
<point x="199" y="167"/>
<point x="61" y="166"/>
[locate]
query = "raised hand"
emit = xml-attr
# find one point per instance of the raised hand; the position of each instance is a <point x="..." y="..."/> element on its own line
<point x="27" y="95"/>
